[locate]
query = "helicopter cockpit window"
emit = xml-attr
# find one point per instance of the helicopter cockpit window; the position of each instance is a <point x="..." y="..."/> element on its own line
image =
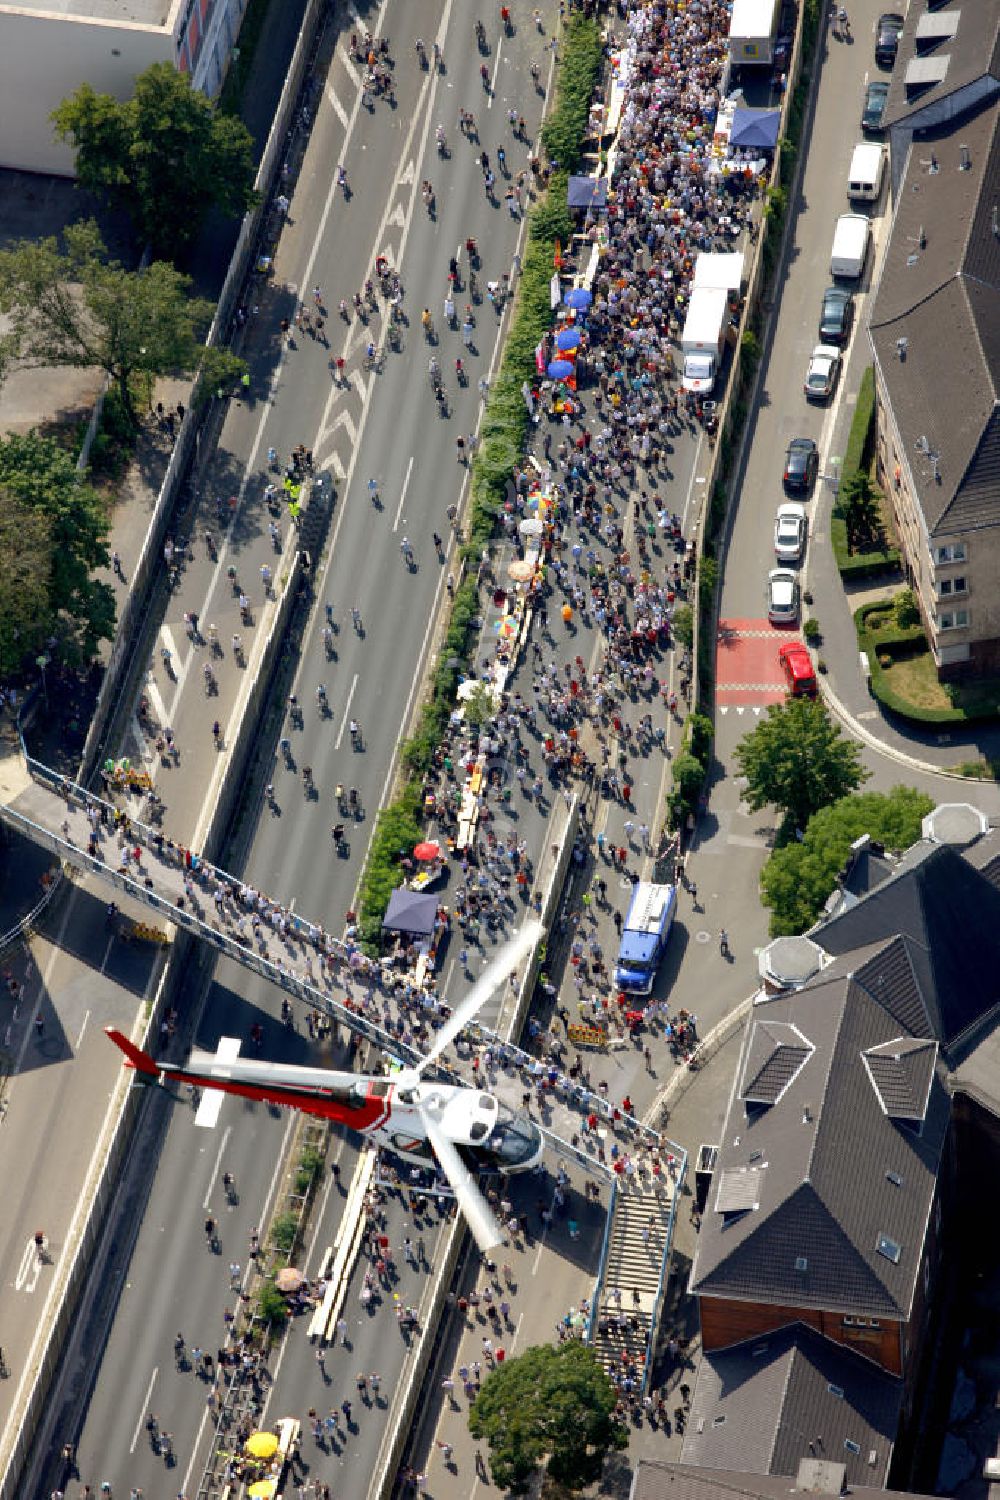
<point x="477" y="1131"/>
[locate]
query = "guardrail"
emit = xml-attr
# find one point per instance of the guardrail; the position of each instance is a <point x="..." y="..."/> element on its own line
<point x="668" y="1246"/>
<point x="602" y="1264"/>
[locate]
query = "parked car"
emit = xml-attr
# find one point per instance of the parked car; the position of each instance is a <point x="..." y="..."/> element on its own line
<point x="801" y="464"/>
<point x="782" y="597"/>
<point x="796" y="664"/>
<point x="887" y="38"/>
<point x="821" y="376"/>
<point x="837" y="315"/>
<point x="790" y="531"/>
<point x="876" y="93"/>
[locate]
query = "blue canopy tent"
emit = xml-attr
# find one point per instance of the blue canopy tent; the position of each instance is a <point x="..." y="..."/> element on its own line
<point x="587" y="192"/>
<point x="755" y="129"/>
<point x="410" y="911"/>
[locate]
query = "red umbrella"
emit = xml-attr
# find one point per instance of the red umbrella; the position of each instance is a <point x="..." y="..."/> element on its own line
<point x="427" y="851"/>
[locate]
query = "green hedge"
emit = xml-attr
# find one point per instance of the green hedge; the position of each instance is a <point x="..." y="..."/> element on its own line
<point x="501" y="444"/>
<point x="690" y="768"/>
<point x="892" y="639"/>
<point x="853" y="565"/>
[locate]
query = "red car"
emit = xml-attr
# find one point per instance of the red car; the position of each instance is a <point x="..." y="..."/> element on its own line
<point x="796" y="663"/>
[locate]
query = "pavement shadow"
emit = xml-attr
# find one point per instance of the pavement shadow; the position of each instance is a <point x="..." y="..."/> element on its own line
<point x="106" y="947"/>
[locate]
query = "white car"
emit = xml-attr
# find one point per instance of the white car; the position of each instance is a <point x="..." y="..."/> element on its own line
<point x="821" y="376"/>
<point x="782" y="597"/>
<point x="790" y="531"/>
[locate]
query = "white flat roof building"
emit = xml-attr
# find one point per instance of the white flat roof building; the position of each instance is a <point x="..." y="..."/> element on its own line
<point x="48" y="49"/>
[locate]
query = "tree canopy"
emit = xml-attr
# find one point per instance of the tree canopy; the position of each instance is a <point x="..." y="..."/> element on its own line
<point x="76" y="307"/>
<point x="52" y="536"/>
<point x="554" y="1403"/>
<point x="798" y="760"/>
<point x="167" y="155"/>
<point x="799" y="877"/>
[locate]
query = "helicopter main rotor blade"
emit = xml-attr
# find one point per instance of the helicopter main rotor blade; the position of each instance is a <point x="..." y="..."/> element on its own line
<point x="493" y="975"/>
<point x="479" y="1216"/>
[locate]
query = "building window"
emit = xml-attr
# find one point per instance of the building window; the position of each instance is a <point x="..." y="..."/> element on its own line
<point x="953" y="552"/>
<point x="862" y="1323"/>
<point x="953" y="619"/>
<point x="951" y="586"/>
<point x="937" y="1216"/>
<point x="927" y="1277"/>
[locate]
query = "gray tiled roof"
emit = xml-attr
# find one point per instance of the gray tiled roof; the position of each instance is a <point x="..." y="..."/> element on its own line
<point x="775" y="1054"/>
<point x="933" y="902"/>
<point x="901" y="1072"/>
<point x="826" y="1197"/>
<point x="973" y="51"/>
<point x="656" y="1481"/>
<point x="939" y="292"/>
<point x="764" y="1406"/>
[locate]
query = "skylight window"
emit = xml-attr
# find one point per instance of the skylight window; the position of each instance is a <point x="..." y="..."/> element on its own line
<point x="894" y="1178"/>
<point x="801" y="1263"/>
<point x="838" y="1391"/>
<point x="889" y="1249"/>
<point x="852" y="1446"/>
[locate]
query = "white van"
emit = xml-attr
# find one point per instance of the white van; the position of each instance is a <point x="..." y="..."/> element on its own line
<point x="850" y="246"/>
<point x="864" y="180"/>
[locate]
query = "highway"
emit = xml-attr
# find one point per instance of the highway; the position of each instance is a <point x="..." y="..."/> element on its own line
<point x="384" y="425"/>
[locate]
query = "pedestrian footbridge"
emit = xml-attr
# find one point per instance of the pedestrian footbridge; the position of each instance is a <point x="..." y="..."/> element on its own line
<point x="181" y="890"/>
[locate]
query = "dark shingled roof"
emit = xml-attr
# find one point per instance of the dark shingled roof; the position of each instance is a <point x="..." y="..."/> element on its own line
<point x="824" y="1151"/>
<point x="935" y="981"/>
<point x="776" y="1052"/>
<point x="901" y="1072"/>
<point x="768" y="1404"/>
<point x="939" y="291"/>
<point x="973" y="53"/>
<point x="656" y="1481"/>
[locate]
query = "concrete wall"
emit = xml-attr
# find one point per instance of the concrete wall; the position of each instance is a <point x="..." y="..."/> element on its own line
<point x="44" y="57"/>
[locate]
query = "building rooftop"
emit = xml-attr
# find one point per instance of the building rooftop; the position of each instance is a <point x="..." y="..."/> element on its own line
<point x="948" y="61"/>
<point x="836" y="1128"/>
<point x="935" y="322"/>
<point x="158" y="14"/>
<point x="931" y="978"/>
<point x="655" y="1481"/>
<point x="768" y="1404"/>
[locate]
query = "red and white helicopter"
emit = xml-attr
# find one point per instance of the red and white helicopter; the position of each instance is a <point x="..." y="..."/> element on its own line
<point x="456" y="1126"/>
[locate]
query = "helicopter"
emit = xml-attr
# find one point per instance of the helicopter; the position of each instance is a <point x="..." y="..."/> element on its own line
<point x="461" y="1129"/>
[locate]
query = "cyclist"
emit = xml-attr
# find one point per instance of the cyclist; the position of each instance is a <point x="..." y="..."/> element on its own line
<point x="265" y="576"/>
<point x="327" y="637"/>
<point x="425" y="318"/>
<point x="321" y="696"/>
<point x="356" y="617"/>
<point x="355" y="729"/>
<point x="373" y="488"/>
<point x="406" y="550"/>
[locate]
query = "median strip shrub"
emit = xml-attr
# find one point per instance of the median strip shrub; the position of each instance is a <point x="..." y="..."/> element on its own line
<point x="502" y="442"/>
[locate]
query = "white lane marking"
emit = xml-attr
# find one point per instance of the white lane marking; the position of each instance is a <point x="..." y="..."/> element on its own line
<point x="104" y="960"/>
<point x="402" y="495"/>
<point x="336" y="105"/>
<point x="83" y="1028"/>
<point x="347" y="709"/>
<point x="493" y="80"/>
<point x="210" y="1106"/>
<point x="352" y="71"/>
<point x="156" y="702"/>
<point x="143" y="1406"/>
<point x="206" y="1201"/>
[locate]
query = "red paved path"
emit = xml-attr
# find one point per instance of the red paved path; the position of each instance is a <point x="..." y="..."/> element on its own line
<point x="746" y="663"/>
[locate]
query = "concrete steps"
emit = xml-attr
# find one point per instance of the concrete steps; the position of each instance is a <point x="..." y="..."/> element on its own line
<point x="634" y="1262"/>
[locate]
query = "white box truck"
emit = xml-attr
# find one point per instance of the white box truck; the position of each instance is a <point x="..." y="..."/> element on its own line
<point x="864" y="180"/>
<point x="850" y="246"/>
<point x="753" y="27"/>
<point x="719" y="268"/>
<point x="702" y="338"/>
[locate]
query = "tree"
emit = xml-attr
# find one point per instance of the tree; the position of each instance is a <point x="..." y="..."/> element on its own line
<point x="859" y="502"/>
<point x="75" y="307"/>
<point x="553" y="1403"/>
<point x="798" y="878"/>
<point x="799" y="760"/>
<point x="167" y="155"/>
<point x="53" y="536"/>
<point x="220" y="372"/>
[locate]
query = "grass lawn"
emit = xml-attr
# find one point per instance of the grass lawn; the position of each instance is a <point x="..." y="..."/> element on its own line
<point x="912" y="679"/>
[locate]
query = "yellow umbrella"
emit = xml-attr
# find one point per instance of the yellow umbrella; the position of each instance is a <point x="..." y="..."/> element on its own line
<point x="262" y="1445"/>
<point x="263" y="1489"/>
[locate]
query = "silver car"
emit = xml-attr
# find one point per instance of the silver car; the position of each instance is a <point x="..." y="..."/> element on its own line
<point x="790" y="531"/>
<point x="782" y="597"/>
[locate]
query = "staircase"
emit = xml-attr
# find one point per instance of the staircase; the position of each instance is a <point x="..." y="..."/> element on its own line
<point x="637" y="1241"/>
